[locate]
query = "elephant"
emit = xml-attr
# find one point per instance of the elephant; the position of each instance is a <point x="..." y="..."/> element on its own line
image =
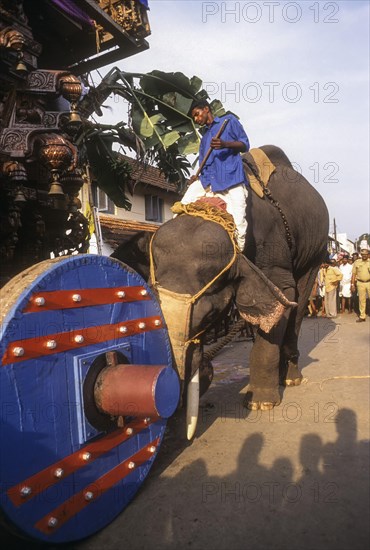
<point x="270" y="282"/>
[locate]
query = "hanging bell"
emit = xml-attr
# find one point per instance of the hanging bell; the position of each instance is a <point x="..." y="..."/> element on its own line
<point x="21" y="66"/>
<point x="16" y="41"/>
<point x="19" y="197"/>
<point x="74" y="118"/>
<point x="56" y="189"/>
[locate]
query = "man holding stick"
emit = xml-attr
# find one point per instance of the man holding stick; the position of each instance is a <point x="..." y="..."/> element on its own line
<point x="221" y="170"/>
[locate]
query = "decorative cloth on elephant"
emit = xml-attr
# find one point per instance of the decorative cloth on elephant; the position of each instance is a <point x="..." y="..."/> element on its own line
<point x="207" y="209"/>
<point x="214" y="201"/>
<point x="176" y="309"/>
<point x="258" y="180"/>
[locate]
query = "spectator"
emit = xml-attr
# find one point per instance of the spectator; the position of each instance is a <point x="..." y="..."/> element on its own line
<point x="361" y="279"/>
<point x="354" y="295"/>
<point x="332" y="277"/>
<point x="345" y="284"/>
<point x="321" y="287"/>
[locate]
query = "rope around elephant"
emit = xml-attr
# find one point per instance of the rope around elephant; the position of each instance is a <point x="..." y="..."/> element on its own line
<point x="214" y="350"/>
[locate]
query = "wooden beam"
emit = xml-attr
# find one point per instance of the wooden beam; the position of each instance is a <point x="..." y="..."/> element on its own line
<point x="105" y="59"/>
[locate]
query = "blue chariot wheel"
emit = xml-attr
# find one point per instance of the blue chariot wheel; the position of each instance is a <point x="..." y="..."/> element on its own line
<point x="86" y="388"/>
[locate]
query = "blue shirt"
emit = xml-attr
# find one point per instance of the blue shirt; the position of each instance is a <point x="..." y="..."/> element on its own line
<point x="224" y="167"/>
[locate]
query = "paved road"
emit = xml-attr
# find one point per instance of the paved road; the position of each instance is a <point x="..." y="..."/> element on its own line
<point x="293" y="478"/>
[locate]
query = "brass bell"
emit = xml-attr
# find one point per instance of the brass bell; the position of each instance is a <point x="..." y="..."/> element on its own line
<point x="21" y="67"/>
<point x="74" y="117"/>
<point x="56" y="190"/>
<point x="19" y="197"/>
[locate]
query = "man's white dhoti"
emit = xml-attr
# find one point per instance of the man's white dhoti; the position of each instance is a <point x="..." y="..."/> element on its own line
<point x="236" y="204"/>
<point x="345" y="283"/>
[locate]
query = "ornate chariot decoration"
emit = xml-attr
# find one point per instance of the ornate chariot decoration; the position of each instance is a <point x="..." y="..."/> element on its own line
<point x="41" y="172"/>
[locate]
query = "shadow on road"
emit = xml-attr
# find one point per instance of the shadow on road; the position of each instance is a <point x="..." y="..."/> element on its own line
<point x="322" y="504"/>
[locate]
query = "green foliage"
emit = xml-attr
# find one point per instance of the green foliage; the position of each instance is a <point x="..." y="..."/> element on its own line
<point x="109" y="168"/>
<point x="158" y="83"/>
<point x="188" y="144"/>
<point x="217" y="108"/>
<point x="160" y="129"/>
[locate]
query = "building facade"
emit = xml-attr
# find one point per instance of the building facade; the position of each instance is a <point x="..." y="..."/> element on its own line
<point x="151" y="202"/>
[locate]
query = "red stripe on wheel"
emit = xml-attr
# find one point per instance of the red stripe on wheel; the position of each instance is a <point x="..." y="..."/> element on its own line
<point x="59" y="516"/>
<point x="66" y="299"/>
<point x="47" y="478"/>
<point x="31" y="348"/>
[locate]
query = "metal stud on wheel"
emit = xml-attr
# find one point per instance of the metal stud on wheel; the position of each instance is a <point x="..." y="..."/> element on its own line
<point x="86" y="387"/>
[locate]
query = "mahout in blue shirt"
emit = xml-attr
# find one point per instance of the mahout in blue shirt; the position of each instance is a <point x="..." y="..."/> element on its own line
<point x="224" y="167"/>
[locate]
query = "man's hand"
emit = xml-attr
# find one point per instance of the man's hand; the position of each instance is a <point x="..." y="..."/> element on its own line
<point x="236" y="146"/>
<point x="218" y="143"/>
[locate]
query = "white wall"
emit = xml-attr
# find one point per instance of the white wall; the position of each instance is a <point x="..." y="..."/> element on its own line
<point x="137" y="211"/>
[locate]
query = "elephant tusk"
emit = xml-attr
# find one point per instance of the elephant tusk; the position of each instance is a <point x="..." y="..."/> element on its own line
<point x="192" y="405"/>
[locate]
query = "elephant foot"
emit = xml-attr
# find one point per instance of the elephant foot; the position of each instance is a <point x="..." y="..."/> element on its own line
<point x="290" y="376"/>
<point x="257" y="405"/>
<point x="261" y="399"/>
<point x="293" y="382"/>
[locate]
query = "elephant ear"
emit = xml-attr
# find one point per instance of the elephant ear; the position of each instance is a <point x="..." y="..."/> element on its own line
<point x="135" y="253"/>
<point x="258" y="300"/>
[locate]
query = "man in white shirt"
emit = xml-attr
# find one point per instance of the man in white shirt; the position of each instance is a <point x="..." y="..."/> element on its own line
<point x="345" y="284"/>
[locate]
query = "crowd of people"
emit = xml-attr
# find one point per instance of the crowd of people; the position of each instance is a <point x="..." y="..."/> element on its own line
<point x="342" y="285"/>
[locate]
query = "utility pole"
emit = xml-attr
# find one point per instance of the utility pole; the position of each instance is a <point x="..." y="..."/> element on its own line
<point x="335" y="238"/>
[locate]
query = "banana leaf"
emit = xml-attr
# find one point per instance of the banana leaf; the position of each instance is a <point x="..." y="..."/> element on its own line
<point x="158" y="83"/>
<point x="170" y="137"/>
<point x="178" y="102"/>
<point x="160" y="123"/>
<point x="217" y="108"/>
<point x="188" y="144"/>
<point x="110" y="170"/>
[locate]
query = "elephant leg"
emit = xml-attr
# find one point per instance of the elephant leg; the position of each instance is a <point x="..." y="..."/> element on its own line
<point x="263" y="389"/>
<point x="289" y="373"/>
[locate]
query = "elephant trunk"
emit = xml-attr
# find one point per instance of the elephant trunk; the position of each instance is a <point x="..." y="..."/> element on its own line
<point x="258" y="300"/>
<point x="281" y="296"/>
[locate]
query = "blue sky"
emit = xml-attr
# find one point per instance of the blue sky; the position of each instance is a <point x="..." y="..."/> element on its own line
<point x="296" y="74"/>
